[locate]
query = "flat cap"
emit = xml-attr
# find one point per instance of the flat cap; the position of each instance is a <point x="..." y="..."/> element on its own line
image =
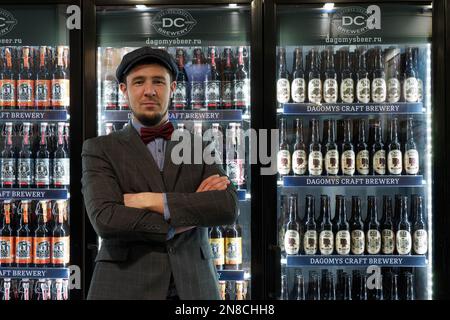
<point x="144" y="55"/>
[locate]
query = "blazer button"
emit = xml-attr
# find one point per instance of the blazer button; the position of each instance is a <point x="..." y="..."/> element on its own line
<point x="171" y="250"/>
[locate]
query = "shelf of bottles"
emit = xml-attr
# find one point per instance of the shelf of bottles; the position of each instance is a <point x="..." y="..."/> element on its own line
<point x="34" y="176"/>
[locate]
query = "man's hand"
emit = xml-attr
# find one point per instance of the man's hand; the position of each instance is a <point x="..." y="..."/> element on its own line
<point x="214" y="182"/>
<point x="145" y="200"/>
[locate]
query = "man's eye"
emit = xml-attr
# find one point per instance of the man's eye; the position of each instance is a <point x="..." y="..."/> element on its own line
<point x="158" y="81"/>
<point x="138" y="82"/>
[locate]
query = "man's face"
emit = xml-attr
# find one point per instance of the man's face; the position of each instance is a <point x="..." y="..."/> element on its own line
<point x="148" y="89"/>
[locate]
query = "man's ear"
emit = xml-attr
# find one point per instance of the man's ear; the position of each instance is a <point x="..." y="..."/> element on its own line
<point x="123" y="88"/>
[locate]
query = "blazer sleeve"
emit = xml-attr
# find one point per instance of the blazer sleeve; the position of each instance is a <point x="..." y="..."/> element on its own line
<point x="103" y="199"/>
<point x="204" y="209"/>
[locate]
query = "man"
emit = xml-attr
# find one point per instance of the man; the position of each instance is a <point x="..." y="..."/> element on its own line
<point x="151" y="213"/>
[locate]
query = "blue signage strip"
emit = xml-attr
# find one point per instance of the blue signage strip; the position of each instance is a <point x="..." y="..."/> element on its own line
<point x="352" y="108"/>
<point x="231" y="275"/>
<point x="355" y="181"/>
<point x="33" y="115"/>
<point x="241" y="193"/>
<point x="33" y="194"/>
<point x="116" y="115"/>
<point x="35" y="273"/>
<point x="182" y="115"/>
<point x="356" y="261"/>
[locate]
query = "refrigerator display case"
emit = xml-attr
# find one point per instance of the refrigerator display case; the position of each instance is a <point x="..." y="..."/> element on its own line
<point x="355" y="105"/>
<point x="214" y="98"/>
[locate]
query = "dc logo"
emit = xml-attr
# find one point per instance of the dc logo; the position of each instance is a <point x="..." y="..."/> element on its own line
<point x="173" y="22"/>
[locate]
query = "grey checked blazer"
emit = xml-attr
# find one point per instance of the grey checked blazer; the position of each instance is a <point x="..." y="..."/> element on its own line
<point x="135" y="260"/>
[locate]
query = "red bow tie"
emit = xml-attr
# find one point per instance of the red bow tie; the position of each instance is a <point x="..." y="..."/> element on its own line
<point x="150" y="134"/>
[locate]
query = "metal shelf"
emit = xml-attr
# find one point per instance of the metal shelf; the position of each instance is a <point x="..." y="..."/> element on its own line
<point x="33" y="194"/>
<point x="33" y="115"/>
<point x="353" y="181"/>
<point x="35" y="273"/>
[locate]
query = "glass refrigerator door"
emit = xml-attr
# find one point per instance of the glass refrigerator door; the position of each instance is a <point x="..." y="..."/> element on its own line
<point x="34" y="157"/>
<point x="355" y="178"/>
<point x="211" y="45"/>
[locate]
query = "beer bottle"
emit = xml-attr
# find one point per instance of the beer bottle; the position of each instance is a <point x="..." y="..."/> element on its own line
<point x="41" y="239"/>
<point x="420" y="234"/>
<point x="109" y="83"/>
<point x="348" y="153"/>
<point x="347" y="287"/>
<point x="347" y="84"/>
<point x="331" y="287"/>
<point x="235" y="154"/>
<point x="41" y="290"/>
<point x="378" y="78"/>
<point x="241" y="84"/>
<point x="61" y="165"/>
<point x="411" y="153"/>
<point x="212" y="83"/>
<point x="362" y="151"/>
<point x="313" y="286"/>
<point x="404" y="242"/>
<point x="283" y="217"/>
<point x="292" y="229"/>
<point x="6" y="235"/>
<point x="419" y="80"/>
<point x="314" y="82"/>
<point x="180" y="96"/>
<point x="342" y="228"/>
<point x="222" y="289"/>
<point x="299" y="162"/>
<point x="410" y="83"/>
<point x="25" y="165"/>
<point x="60" y="83"/>
<point x="25" y="291"/>
<point x="233" y="247"/>
<point x="410" y="293"/>
<point x="326" y="236"/>
<point x="315" y="159"/>
<point x="67" y="137"/>
<point x="8" y="160"/>
<point x="330" y="85"/>
<point x="393" y="83"/>
<point x="60" y="237"/>
<point x="240" y="290"/>
<point x="227" y="79"/>
<point x="310" y="228"/>
<point x="300" y="285"/>
<point x="379" y="292"/>
<point x="394" y="151"/>
<point x="356" y="284"/>
<point x="387" y="227"/>
<point x="356" y="227"/>
<point x="362" y="78"/>
<point x="363" y="292"/>
<point x="393" y="294"/>
<point x="8" y="84"/>
<point x="331" y="150"/>
<point x="378" y="154"/>
<point x="373" y="236"/>
<point x="25" y="81"/>
<point x="24" y="241"/>
<point x="283" y="85"/>
<point x="284" y="294"/>
<point x="42" y="165"/>
<point x="43" y="86"/>
<point x="284" y="156"/>
<point x="217" y="242"/>
<point x="298" y="87"/>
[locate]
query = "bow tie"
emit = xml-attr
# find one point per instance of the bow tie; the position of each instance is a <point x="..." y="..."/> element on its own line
<point x="163" y="131"/>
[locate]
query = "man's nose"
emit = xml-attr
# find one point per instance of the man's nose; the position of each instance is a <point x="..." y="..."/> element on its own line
<point x="149" y="90"/>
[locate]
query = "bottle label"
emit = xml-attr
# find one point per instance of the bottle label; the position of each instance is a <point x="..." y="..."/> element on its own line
<point x="233" y="251"/>
<point x="373" y="241"/>
<point x="8" y="93"/>
<point x="197" y="94"/>
<point x="379" y="90"/>
<point x="61" y="171"/>
<point x="343" y="242"/>
<point x="393" y="90"/>
<point x="420" y="241"/>
<point x="299" y="162"/>
<point x="217" y="247"/>
<point x="326" y="242"/>
<point x="109" y="93"/>
<point x="6" y="250"/>
<point x="419" y="90"/>
<point x="298" y="89"/>
<point x="410" y="89"/>
<point x="42" y="93"/>
<point x="310" y="242"/>
<point x="362" y="162"/>
<point x="235" y="171"/>
<point x="315" y="91"/>
<point x="25" y="169"/>
<point x="227" y="94"/>
<point x="363" y="90"/>
<point x="60" y="250"/>
<point x="242" y="93"/>
<point x="348" y="162"/>
<point x="395" y="162"/>
<point x="212" y="93"/>
<point x="42" y="171"/>
<point x="315" y="163"/>
<point x="23" y="250"/>
<point x="379" y="162"/>
<point x="358" y="242"/>
<point x="25" y="93"/>
<point x="8" y="175"/>
<point x="388" y="244"/>
<point x="291" y="241"/>
<point x="347" y="90"/>
<point x="284" y="162"/>
<point x="283" y="90"/>
<point x="42" y="250"/>
<point x="411" y="161"/>
<point x="180" y="95"/>
<point x="60" y="92"/>
<point x="332" y="162"/>
<point x="330" y="90"/>
<point x="403" y="242"/>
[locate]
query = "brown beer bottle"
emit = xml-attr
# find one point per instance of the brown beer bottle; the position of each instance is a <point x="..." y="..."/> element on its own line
<point x="233" y="247"/>
<point x="109" y="83"/>
<point x="25" y="161"/>
<point x="6" y="235"/>
<point x="8" y="160"/>
<point x="8" y="84"/>
<point x="241" y="84"/>
<point x="43" y="85"/>
<point x="60" y="237"/>
<point x="25" y="82"/>
<point x="24" y="240"/>
<point x="60" y="83"/>
<point x="217" y="242"/>
<point x="41" y="239"/>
